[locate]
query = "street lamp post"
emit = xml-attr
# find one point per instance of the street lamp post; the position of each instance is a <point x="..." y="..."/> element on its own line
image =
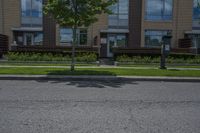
<point x="165" y="50"/>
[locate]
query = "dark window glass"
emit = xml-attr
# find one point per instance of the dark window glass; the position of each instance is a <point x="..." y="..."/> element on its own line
<point x="83" y="37"/>
<point x="153" y="38"/>
<point x="121" y="40"/>
<point x="66" y="36"/>
<point x="196" y="10"/>
<point x="159" y="9"/>
<point x="38" y="38"/>
<point x="31" y="11"/>
<point x="119" y="18"/>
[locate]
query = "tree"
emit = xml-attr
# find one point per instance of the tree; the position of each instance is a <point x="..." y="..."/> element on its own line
<point x="76" y="13"/>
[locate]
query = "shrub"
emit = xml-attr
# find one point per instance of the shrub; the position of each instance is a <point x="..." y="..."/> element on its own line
<point x="80" y="57"/>
<point x="156" y="59"/>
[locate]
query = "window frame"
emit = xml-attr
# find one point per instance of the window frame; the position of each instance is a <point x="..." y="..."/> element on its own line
<point x="78" y="36"/>
<point x="155" y="30"/>
<point x="28" y="21"/>
<point x="193" y="16"/>
<point x="116" y="17"/>
<point x="162" y="12"/>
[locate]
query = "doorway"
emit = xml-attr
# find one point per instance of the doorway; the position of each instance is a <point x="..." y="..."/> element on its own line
<point x="28" y="39"/>
<point x="112" y="41"/>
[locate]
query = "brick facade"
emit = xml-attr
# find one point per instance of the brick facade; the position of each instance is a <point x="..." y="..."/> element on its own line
<point x="10" y="17"/>
<point x="181" y="22"/>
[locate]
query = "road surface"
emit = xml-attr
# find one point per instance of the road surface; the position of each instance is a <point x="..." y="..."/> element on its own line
<point x="99" y="107"/>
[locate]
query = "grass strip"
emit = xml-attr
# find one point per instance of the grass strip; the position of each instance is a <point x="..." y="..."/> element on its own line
<point x="100" y="71"/>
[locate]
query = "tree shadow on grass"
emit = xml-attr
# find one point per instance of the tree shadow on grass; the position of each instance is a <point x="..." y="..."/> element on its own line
<point x="173" y="70"/>
<point x="102" y="82"/>
<point x="81" y="72"/>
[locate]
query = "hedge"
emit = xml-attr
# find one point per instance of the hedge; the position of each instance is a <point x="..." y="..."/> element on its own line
<point x="156" y="59"/>
<point x="27" y="56"/>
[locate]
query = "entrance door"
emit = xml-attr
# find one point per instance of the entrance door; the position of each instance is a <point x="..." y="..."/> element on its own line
<point x="112" y="41"/>
<point x="198" y="42"/>
<point x="28" y="39"/>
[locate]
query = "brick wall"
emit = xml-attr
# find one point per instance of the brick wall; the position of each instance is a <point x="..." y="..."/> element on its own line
<point x="182" y="21"/>
<point x="135" y="12"/>
<point x="11" y="17"/>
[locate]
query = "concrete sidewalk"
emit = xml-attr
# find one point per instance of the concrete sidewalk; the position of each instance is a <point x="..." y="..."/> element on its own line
<point x="104" y="78"/>
<point x="170" y="68"/>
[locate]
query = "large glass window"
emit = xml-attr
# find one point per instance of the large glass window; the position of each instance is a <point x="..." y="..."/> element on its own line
<point x="66" y="36"/>
<point x="119" y="18"/>
<point x="153" y="38"/>
<point x="28" y="38"/>
<point x="121" y="40"/>
<point x="38" y="38"/>
<point x="196" y="10"/>
<point x="159" y="9"/>
<point x="31" y="12"/>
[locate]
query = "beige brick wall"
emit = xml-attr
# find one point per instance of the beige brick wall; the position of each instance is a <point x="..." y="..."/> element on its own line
<point x="1" y="16"/>
<point x="184" y="18"/>
<point x="182" y="21"/>
<point x="94" y="30"/>
<point x="11" y="17"/>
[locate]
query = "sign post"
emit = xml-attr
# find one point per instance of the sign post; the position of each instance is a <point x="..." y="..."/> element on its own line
<point x="165" y="50"/>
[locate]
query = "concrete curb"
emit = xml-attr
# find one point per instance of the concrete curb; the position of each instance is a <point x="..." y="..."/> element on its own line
<point x="99" y="78"/>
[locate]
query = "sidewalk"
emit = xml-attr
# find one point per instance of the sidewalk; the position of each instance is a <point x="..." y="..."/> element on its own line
<point x="104" y="78"/>
<point x="14" y="66"/>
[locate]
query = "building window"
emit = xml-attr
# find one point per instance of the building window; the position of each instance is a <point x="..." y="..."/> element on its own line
<point x="117" y="40"/>
<point x="195" y="40"/>
<point x="159" y="10"/>
<point x="153" y="38"/>
<point x="196" y="10"/>
<point x="31" y="13"/>
<point x="66" y="36"/>
<point x="38" y="38"/>
<point x="121" y="40"/>
<point x="119" y="18"/>
<point x="83" y="37"/>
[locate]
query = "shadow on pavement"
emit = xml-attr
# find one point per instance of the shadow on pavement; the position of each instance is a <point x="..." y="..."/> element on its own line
<point x="96" y="83"/>
<point x="102" y="82"/>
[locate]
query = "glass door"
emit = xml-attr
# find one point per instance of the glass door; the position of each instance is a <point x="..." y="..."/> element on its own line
<point x="112" y="41"/>
<point x="28" y="39"/>
<point x="198" y="42"/>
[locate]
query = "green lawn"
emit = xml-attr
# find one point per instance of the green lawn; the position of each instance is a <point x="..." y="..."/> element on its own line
<point x="157" y="65"/>
<point x="100" y="71"/>
<point x="42" y="64"/>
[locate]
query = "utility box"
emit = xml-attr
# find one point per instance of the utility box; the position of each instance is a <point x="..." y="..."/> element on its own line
<point x="166" y="43"/>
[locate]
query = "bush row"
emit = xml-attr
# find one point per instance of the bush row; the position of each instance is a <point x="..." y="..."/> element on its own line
<point x="156" y="59"/>
<point x="80" y="57"/>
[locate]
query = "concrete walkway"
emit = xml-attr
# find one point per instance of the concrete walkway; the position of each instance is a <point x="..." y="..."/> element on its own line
<point x="14" y="66"/>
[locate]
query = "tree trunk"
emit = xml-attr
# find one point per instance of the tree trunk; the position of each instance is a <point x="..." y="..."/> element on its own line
<point x="73" y="49"/>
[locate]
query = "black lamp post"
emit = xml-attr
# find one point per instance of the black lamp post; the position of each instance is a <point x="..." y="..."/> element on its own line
<point x="165" y="50"/>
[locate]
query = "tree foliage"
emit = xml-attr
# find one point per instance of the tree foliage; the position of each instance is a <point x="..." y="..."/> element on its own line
<point x="77" y="12"/>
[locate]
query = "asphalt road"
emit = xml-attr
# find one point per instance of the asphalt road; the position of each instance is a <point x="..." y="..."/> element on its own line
<point x="99" y="107"/>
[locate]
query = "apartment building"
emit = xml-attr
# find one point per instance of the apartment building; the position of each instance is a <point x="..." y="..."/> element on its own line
<point x="135" y="27"/>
